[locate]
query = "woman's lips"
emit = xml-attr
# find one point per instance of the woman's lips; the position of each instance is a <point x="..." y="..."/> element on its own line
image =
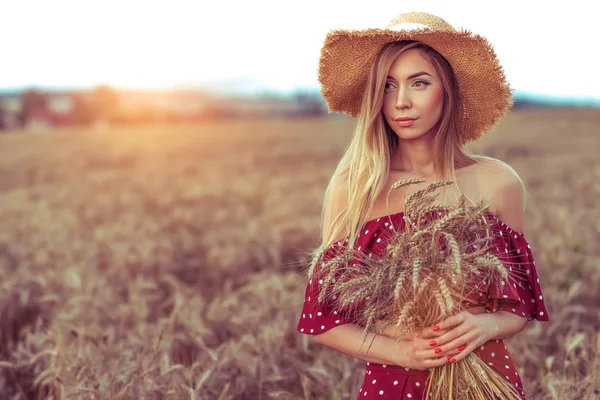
<point x="406" y="122"/>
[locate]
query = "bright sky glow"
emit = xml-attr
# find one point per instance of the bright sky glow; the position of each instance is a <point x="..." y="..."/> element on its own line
<point x="544" y="46"/>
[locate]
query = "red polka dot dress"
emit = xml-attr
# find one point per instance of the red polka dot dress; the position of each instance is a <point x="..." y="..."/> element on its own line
<point x="521" y="296"/>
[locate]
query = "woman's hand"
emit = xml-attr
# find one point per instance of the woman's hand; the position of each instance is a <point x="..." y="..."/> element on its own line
<point x="417" y="354"/>
<point x="465" y="332"/>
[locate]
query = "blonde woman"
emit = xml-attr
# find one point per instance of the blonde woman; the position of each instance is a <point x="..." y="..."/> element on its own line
<point x="421" y="90"/>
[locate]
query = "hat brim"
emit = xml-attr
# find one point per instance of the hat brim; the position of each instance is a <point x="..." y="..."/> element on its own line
<point x="484" y="93"/>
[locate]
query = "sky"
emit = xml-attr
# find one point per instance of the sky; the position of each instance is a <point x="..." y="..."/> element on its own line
<point x="543" y="46"/>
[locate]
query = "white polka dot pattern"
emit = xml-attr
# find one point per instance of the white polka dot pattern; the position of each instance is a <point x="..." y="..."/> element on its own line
<point x="321" y="316"/>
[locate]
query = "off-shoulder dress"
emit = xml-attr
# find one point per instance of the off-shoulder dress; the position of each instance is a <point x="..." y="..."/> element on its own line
<point x="522" y="297"/>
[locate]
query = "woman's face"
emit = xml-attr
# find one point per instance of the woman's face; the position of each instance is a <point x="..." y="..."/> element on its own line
<point x="409" y="95"/>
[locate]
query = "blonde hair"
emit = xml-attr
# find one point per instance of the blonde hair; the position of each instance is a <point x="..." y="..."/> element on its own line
<point x="364" y="168"/>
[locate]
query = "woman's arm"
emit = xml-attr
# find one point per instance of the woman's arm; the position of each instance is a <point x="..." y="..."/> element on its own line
<point x="348" y="339"/>
<point x="393" y="331"/>
<point x="416" y="354"/>
<point x="503" y="324"/>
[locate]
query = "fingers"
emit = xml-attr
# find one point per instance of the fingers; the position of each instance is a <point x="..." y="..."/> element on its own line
<point x="464" y="353"/>
<point x="463" y="342"/>
<point x="442" y="327"/>
<point x="448" y="337"/>
<point x="456" y="319"/>
<point x="435" y="362"/>
<point x="429" y="333"/>
<point x="427" y="361"/>
<point x="426" y="358"/>
<point x="447" y="344"/>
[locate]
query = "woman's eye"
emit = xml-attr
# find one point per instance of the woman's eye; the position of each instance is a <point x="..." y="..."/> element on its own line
<point x="425" y="83"/>
<point x="388" y="85"/>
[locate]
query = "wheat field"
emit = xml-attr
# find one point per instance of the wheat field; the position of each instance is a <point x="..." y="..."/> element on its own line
<point x="168" y="262"/>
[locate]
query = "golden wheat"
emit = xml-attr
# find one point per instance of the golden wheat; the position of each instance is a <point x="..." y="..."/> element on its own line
<point x="93" y="223"/>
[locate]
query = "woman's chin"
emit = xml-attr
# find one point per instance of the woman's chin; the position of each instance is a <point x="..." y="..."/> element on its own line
<point x="410" y="136"/>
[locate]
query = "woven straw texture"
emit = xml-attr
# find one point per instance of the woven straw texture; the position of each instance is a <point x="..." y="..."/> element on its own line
<point x="484" y="93"/>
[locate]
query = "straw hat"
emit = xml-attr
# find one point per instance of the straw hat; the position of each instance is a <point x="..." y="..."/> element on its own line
<point x="484" y="94"/>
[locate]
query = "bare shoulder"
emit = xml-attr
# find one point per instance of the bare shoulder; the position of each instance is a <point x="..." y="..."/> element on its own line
<point x="493" y="169"/>
<point x="504" y="190"/>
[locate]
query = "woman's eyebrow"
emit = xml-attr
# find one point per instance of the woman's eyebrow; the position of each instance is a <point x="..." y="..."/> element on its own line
<point x="413" y="75"/>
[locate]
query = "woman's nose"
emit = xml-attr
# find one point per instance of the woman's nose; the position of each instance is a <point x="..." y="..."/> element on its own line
<point x="402" y="101"/>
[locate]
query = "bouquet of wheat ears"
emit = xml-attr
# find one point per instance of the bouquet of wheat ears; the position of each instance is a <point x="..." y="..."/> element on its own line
<point x="425" y="275"/>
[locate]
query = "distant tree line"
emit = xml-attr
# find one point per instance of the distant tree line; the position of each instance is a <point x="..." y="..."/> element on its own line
<point x="106" y="104"/>
<point x="80" y="108"/>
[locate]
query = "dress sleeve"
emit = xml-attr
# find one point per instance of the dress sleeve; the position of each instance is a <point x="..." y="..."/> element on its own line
<point x="319" y="317"/>
<point x="522" y="293"/>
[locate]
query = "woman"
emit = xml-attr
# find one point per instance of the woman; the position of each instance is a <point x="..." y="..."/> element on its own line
<point x="421" y="90"/>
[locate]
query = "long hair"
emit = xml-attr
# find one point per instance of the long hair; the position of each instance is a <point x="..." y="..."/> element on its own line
<point x="364" y="167"/>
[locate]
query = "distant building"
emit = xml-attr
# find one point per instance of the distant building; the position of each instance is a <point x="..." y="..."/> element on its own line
<point x="56" y="112"/>
<point x="10" y="105"/>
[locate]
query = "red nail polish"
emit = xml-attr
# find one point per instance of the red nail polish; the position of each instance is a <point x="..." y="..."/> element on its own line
<point x="452" y="360"/>
<point x="438" y="350"/>
<point x="432" y="343"/>
<point x="461" y="348"/>
<point x="450" y="356"/>
<point x="436" y="328"/>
